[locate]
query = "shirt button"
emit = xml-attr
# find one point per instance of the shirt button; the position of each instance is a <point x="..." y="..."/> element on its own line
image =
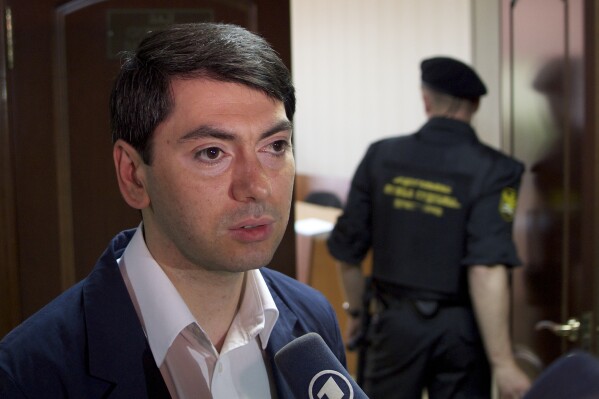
<point x="220" y="367"/>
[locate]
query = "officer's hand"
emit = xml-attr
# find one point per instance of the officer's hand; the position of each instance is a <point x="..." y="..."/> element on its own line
<point x="511" y="382"/>
<point x="353" y="326"/>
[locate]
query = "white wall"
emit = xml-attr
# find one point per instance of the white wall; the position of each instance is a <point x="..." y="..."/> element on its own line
<point x="356" y="69"/>
<point x="486" y="58"/>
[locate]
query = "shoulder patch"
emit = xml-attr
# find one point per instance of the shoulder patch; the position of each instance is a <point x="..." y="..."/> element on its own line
<point x="507" y="204"/>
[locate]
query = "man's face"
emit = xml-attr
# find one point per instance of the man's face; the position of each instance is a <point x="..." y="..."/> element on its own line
<point x="221" y="179"/>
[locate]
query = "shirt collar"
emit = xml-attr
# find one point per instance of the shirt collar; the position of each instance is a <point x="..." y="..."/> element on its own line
<point x="258" y="308"/>
<point x="165" y="315"/>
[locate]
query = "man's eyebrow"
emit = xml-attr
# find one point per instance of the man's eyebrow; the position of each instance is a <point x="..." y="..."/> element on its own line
<point x="278" y="127"/>
<point x="208" y="131"/>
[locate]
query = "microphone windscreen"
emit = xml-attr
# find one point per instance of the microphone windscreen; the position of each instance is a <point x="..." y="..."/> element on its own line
<point x="312" y="371"/>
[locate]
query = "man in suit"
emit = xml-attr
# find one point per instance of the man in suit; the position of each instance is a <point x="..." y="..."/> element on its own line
<point x="182" y="306"/>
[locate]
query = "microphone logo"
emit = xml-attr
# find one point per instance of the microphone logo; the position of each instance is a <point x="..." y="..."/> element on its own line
<point x="330" y="384"/>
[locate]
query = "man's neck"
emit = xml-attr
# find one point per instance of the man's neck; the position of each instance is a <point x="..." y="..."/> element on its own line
<point x="458" y="109"/>
<point x="457" y="116"/>
<point x="212" y="297"/>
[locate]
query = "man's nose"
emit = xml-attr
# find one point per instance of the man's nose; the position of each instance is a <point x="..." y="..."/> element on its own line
<point x="250" y="181"/>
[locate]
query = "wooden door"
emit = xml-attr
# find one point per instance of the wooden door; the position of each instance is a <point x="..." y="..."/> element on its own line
<point x="549" y="67"/>
<point x="62" y="203"/>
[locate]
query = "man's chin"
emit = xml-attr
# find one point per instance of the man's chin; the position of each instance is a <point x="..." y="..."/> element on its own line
<point x="251" y="261"/>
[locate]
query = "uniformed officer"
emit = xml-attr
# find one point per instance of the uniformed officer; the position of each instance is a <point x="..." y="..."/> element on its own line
<point x="436" y="209"/>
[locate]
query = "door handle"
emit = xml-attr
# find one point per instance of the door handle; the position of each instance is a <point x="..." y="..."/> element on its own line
<point x="569" y="330"/>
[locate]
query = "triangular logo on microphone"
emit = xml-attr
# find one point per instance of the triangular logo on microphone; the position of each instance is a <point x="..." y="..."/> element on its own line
<point x="330" y="384"/>
<point x="330" y="390"/>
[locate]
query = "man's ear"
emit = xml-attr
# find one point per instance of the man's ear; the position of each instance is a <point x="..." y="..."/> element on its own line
<point x="130" y="174"/>
<point x="476" y="105"/>
<point x="426" y="100"/>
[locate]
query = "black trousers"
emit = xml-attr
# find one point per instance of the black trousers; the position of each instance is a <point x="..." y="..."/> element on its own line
<point x="409" y="352"/>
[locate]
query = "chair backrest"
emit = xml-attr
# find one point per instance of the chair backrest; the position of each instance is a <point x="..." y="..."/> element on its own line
<point x="574" y="375"/>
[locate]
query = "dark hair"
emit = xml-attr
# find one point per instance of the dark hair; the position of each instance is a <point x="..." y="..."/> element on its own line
<point x="141" y="97"/>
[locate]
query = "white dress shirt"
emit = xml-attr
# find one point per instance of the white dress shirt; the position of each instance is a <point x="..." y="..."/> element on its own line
<point x="188" y="361"/>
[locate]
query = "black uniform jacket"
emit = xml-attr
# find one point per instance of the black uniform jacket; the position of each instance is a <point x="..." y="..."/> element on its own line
<point x="429" y="204"/>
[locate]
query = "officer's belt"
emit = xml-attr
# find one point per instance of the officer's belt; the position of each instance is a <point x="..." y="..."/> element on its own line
<point x="390" y="295"/>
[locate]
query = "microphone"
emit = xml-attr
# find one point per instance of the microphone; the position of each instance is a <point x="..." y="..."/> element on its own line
<point x="312" y="371"/>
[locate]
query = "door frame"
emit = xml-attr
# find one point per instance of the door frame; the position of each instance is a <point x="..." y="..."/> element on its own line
<point x="590" y="170"/>
<point x="592" y="121"/>
<point x="9" y="282"/>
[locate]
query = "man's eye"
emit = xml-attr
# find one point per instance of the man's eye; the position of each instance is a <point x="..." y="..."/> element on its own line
<point x="210" y="153"/>
<point x="280" y="145"/>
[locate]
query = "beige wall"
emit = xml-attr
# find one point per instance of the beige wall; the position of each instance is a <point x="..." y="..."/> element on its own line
<point x="356" y="69"/>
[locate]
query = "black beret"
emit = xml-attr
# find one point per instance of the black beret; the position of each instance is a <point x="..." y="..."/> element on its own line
<point x="453" y="77"/>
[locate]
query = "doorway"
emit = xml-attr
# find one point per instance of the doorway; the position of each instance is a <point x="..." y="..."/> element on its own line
<point x="551" y="67"/>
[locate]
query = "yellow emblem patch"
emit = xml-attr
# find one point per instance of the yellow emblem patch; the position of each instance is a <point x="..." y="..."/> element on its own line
<point x="507" y="204"/>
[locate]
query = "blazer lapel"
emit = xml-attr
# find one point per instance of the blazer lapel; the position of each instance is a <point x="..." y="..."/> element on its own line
<point x="118" y="349"/>
<point x="155" y="384"/>
<point x="284" y="331"/>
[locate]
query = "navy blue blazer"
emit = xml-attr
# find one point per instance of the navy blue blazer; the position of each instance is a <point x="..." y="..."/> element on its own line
<point x="89" y="343"/>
